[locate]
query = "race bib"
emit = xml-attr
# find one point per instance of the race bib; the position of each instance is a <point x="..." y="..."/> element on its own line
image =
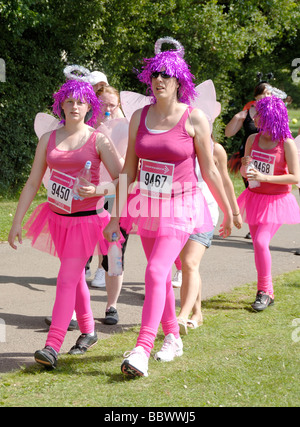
<point x="60" y="192"/>
<point x="263" y="162"/>
<point x="156" y="179"/>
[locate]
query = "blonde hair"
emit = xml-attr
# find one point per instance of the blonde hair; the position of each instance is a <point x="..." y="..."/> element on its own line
<point x="108" y="89"/>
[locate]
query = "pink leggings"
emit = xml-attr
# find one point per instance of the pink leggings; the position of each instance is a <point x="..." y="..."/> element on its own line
<point x="159" y="305"/>
<point x="71" y="293"/>
<point x="262" y="235"/>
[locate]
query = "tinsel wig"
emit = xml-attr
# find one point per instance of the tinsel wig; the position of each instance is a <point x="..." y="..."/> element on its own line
<point x="78" y="90"/>
<point x="273" y="118"/>
<point x="173" y="63"/>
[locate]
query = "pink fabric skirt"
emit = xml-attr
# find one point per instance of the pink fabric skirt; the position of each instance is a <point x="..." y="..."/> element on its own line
<point x="258" y="208"/>
<point x="149" y="217"/>
<point x="65" y="236"/>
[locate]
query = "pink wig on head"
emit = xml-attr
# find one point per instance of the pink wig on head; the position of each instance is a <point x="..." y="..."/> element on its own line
<point x="273" y="118"/>
<point x="173" y="63"/>
<point x="78" y="90"/>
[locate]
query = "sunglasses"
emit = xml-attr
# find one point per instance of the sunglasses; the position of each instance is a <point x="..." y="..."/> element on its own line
<point x="163" y="74"/>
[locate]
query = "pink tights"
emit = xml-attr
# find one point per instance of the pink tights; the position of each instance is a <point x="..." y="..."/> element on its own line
<point x="159" y="305"/>
<point x="262" y="235"/>
<point x="178" y="263"/>
<point x="71" y="293"/>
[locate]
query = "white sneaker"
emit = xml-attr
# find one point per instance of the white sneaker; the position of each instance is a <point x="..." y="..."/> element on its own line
<point x="135" y="363"/>
<point x="177" y="279"/>
<point x="88" y="273"/>
<point x="171" y="348"/>
<point x="99" y="279"/>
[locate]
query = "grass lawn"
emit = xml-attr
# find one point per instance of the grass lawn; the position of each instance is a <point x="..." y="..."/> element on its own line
<point x="238" y="358"/>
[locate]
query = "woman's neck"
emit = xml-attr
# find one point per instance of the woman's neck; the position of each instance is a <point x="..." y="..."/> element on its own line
<point x="72" y="128"/>
<point x="166" y="107"/>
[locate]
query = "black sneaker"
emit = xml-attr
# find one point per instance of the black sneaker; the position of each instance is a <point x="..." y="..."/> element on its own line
<point x="262" y="301"/>
<point x="84" y="342"/>
<point x="46" y="357"/>
<point x="111" y="316"/>
<point x="73" y="324"/>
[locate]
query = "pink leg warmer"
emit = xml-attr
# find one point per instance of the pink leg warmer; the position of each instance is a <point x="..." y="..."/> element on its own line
<point x="178" y="263"/>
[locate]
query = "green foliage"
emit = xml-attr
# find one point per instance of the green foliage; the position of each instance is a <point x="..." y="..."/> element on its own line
<point x="227" y="41"/>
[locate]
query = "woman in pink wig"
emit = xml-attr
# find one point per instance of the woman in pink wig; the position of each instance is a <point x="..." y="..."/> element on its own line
<point x="68" y="227"/>
<point x="271" y="166"/>
<point x="166" y="206"/>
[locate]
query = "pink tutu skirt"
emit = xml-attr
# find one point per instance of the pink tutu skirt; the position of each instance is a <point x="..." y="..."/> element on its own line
<point x="150" y="217"/>
<point x="65" y="236"/>
<point x="258" y="208"/>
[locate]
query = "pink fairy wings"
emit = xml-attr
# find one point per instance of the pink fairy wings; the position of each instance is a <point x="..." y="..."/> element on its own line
<point x="44" y="123"/>
<point x="205" y="101"/>
<point x="116" y="131"/>
<point x="132" y="101"/>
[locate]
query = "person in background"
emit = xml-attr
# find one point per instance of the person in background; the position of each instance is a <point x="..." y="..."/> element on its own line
<point x="110" y="103"/>
<point x="271" y="166"/>
<point x="244" y="119"/>
<point x="191" y="255"/>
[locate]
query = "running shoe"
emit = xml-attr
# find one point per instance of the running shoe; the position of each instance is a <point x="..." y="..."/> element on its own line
<point x="177" y="279"/>
<point x="262" y="301"/>
<point x="46" y="357"/>
<point x="99" y="279"/>
<point x="111" y="316"/>
<point x="171" y="348"/>
<point x="88" y="273"/>
<point x="73" y="324"/>
<point x="84" y="342"/>
<point x="135" y="363"/>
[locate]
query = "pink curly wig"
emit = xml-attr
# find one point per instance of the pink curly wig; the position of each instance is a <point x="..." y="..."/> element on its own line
<point x="174" y="65"/>
<point x="78" y="90"/>
<point x="273" y="118"/>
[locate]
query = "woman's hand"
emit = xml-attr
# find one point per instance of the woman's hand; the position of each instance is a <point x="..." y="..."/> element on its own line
<point x="246" y="160"/>
<point x="88" y="190"/>
<point x="15" y="231"/>
<point x="237" y="221"/>
<point x="112" y="227"/>
<point x="226" y="227"/>
<point x="254" y="175"/>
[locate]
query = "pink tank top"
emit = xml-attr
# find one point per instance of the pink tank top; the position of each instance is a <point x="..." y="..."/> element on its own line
<point x="271" y="162"/>
<point x="71" y="162"/>
<point x="174" y="146"/>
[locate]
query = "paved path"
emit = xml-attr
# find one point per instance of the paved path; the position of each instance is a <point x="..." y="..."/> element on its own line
<point x="28" y="277"/>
